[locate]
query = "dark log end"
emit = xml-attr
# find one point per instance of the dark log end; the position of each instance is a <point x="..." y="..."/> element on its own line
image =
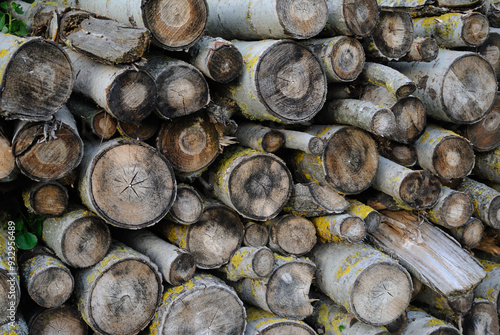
<point x="461" y="304"/>
<point x="49" y="199"/>
<point x="7" y="160"/>
<point x="457" y="209"/>
<point x="453" y="158"/>
<point x="372" y="221"/>
<point x="143" y="130"/>
<point x="316" y="146"/>
<point x="263" y="262"/>
<point x="405" y="90"/>
<point x="182" y="269"/>
<point x="475" y="29"/>
<point x="51" y="287"/>
<point x="6" y="282"/>
<point x="226" y="64"/>
<point x="256" y="235"/>
<point x="397" y="326"/>
<point x="420" y="190"/>
<point x="429" y="50"/>
<point x="361" y="16"/>
<point x="348" y="58"/>
<point x="302" y="20"/>
<point x="405" y="155"/>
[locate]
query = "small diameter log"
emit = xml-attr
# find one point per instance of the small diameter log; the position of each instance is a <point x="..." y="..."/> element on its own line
<point x="486" y="201"/>
<point x="443" y="308"/>
<point x="63" y="320"/>
<point x="249" y="262"/>
<point x="264" y="91"/>
<point x="481" y="319"/>
<point x="278" y="19"/>
<point x="49" y="150"/>
<point x="340" y="227"/>
<point x="187" y="207"/>
<point x="36" y="78"/>
<point x="79" y="238"/>
<point x="342" y="57"/>
<point x="416" y="188"/>
<point x="470" y="234"/>
<point x="462" y="89"/>
<point x="313" y="199"/>
<point x="452" y="210"/>
<point x="432" y="256"/>
<point x="96" y="118"/>
<point x="177" y="266"/>
<point x="16" y="327"/>
<point x="48" y="281"/>
<point x="399" y="153"/>
<point x="419" y="322"/>
<point x="285" y="292"/>
<point x="490" y="49"/>
<point x="302" y="141"/>
<point x="127" y="183"/>
<point x="125" y="93"/>
<point x="393" y="81"/>
<point x="423" y="49"/>
<point x="257" y="185"/>
<point x="8" y="167"/>
<point x="108" y="296"/>
<point x="379" y="201"/>
<point x="489" y="288"/>
<point x="217" y="58"/>
<point x="182" y="88"/>
<point x="143" y="130"/>
<point x="256" y="234"/>
<point x="369" y="215"/>
<point x="348" y="164"/>
<point x="488" y="165"/>
<point x="259" y="137"/>
<point x="291" y="235"/>
<point x="352" y="18"/>
<point x="262" y="322"/>
<point x="189" y="143"/>
<point x="10" y="289"/>
<point x="47" y="199"/>
<point x="205" y="303"/>
<point x="373" y="287"/>
<point x="485" y="134"/>
<point x="212" y="240"/>
<point x="454" y="30"/>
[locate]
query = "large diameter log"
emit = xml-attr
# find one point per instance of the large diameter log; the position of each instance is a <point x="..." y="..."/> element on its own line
<point x="303" y="141"/>
<point x="402" y="154"/>
<point x="16" y="327"/>
<point x="127" y="183"/>
<point x="125" y="93"/>
<point x="491" y="48"/>
<point x="10" y="289"/>
<point x="416" y="188"/>
<point x="423" y="49"/>
<point x="256" y="185"/>
<point x="368" y="214"/>
<point x="485" y="134"/>
<point x="266" y="323"/>
<point x="348" y="164"/>
<point x="249" y="262"/>
<point x="49" y="150"/>
<point x="36" y="78"/>
<point x="488" y="165"/>
<point x="277" y="19"/>
<point x="282" y="81"/>
<point x="486" y="201"/>
<point x="421" y="323"/>
<point x="8" y="167"/>
<point x="481" y="319"/>
<point x="489" y="288"/>
<point x="96" y="118"/>
<point x="352" y="18"/>
<point x="291" y="235"/>
<point x="340" y="227"/>
<point x="176" y="265"/>
<point x="256" y="234"/>
<point x="373" y="287"/>
<point x="79" y="238"/>
<point x="187" y="207"/>
<point x="143" y="130"/>
<point x="63" y="320"/>
<point x="396" y="83"/>
<point x="470" y="234"/>
<point x="108" y="296"/>
<point x="259" y="137"/>
<point x="205" y="303"/>
<point x="452" y="210"/>
<point x="462" y="89"/>
<point x="47" y="199"/>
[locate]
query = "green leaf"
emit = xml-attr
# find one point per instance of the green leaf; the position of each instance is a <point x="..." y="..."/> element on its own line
<point x="5" y="30"/>
<point x="26" y="240"/>
<point x="4" y="5"/>
<point x="341" y="328"/>
<point x="19" y="224"/>
<point x="38" y="229"/>
<point x="2" y="20"/>
<point x="18" y="10"/>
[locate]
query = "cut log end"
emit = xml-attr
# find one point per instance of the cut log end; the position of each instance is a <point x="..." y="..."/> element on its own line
<point x="423" y="49"/>
<point x="256" y="235"/>
<point x="226" y="64"/>
<point x="410" y="119"/>
<point x="457" y="209"/>
<point x="348" y="59"/>
<point x="263" y="262"/>
<point x="362" y="16"/>
<point x="104" y="125"/>
<point x="59" y="320"/>
<point x="482" y="319"/>
<point x="51" y="287"/>
<point x="6" y="295"/>
<point x="405" y="90"/>
<point x="420" y="190"/>
<point x="472" y="233"/>
<point x="143" y="130"/>
<point x="453" y="158"/>
<point x="485" y="134"/>
<point x="475" y="29"/>
<point x="293" y="234"/>
<point x="49" y="200"/>
<point x="303" y="19"/>
<point x="494" y="212"/>
<point x="393" y="36"/>
<point x="316" y="146"/>
<point x="187" y="207"/>
<point x="272" y="141"/>
<point x="7" y="160"/>
<point x="182" y="269"/>
<point x="383" y="123"/>
<point x="353" y="229"/>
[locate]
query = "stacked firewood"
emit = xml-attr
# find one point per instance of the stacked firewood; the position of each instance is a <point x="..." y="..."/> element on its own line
<point x="252" y="167"/>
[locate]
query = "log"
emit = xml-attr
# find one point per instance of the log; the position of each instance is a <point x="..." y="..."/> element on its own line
<point x="416" y="188"/>
<point x="256" y="185"/>
<point x="348" y="164"/>
<point x="358" y="18"/>
<point x="176" y="265"/>
<point x="485" y="134"/>
<point x="107" y="295"/>
<point x="493" y="14"/>
<point x="342" y="57"/>
<point x="302" y="141"/>
<point x="248" y="20"/>
<point x="291" y="235"/>
<point x="36" y="78"/>
<point x="218" y="309"/>
<point x="453" y="209"/>
<point x="8" y="167"/>
<point x="340" y="227"/>
<point x="285" y="292"/>
<point x="487" y="166"/>
<point x="489" y="288"/>
<point x="262" y="322"/>
<point x="419" y="322"/>
<point x="490" y="49"/>
<point x="264" y="90"/>
<point x="125" y="93"/>
<point x="470" y="234"/>
<point x="187" y="207"/>
<point x="402" y="154"/>
<point x="47" y="199"/>
<point x="96" y="118"/>
<point x="259" y="137"/>
<point x="249" y="262"/>
<point x="396" y="327"/>
<point x="10" y="289"/>
<point x="127" y="183"/>
<point x="344" y="91"/>
<point x="256" y="234"/>
<point x="63" y="319"/>
<point x="49" y="150"/>
<point x="486" y="201"/>
<point x="462" y="88"/>
<point x="212" y="240"/>
<point x="379" y="201"/>
<point x="79" y="238"/>
<point x="143" y="130"/>
<point x="423" y="49"/>
<point x="481" y="319"/>
<point x="443" y="308"/>
<point x="369" y="215"/>
<point x="373" y="287"/>
<point x="396" y="83"/>
<point x="16" y="327"/>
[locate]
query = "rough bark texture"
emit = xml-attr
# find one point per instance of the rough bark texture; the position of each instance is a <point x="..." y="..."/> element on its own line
<point x="489" y="288"/>
<point x="259" y="137"/>
<point x="302" y="141"/>
<point x="396" y="83"/>
<point x="486" y="201"/>
<point x="369" y="215"/>
<point x="249" y="262"/>
<point x="266" y="323"/>
<point x="352" y="18"/>
<point x="340" y="227"/>
<point x="487" y="166"/>
<point x="452" y="210"/>
<point x="422" y="323"/>
<point x="16" y="327"/>
<point x="291" y="235"/>
<point x="48" y="199"/>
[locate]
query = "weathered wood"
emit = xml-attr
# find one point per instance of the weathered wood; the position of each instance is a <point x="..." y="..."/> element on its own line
<point x="107" y="293"/>
<point x="256" y="234"/>
<point x="127" y="183"/>
<point x="489" y="288"/>
<point x="259" y="137"/>
<point x="249" y="262"/>
<point x="59" y="320"/>
<point x="443" y="308"/>
<point x="419" y="322"/>
<point x="262" y="322"/>
<point x="8" y="167"/>
<point x="402" y="154"/>
<point x="490" y="49"/>
<point x="352" y="18"/>
<point x="452" y="210"/>
<point x="462" y="89"/>
<point x="394" y="82"/>
<point x="493" y="14"/>
<point x="47" y="199"/>
<point x="10" y="289"/>
<point x="143" y="130"/>
<point x="373" y="287"/>
<point x="396" y="327"/>
<point x="291" y="235"/>
<point x="96" y="118"/>
<point x="187" y="207"/>
<point x="487" y="166"/>
<point x="344" y="91"/>
<point x="481" y="319"/>
<point x="469" y="234"/>
<point x="369" y="215"/>
<point x="302" y="141"/>
<point x="485" y="134"/>
<point x="16" y="327"/>
<point x="379" y="201"/>
<point x="205" y="303"/>
<point x="485" y="199"/>
<point x="423" y="49"/>
<point x="340" y="227"/>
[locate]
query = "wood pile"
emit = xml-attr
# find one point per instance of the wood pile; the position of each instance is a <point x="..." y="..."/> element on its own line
<point x="251" y="167"/>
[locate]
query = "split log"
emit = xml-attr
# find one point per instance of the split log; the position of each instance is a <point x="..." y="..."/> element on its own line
<point x="373" y="287"/>
<point x="249" y="262"/>
<point x="369" y="215"/>
<point x="481" y="319"/>
<point x="177" y="266"/>
<point x="48" y="281"/>
<point x="419" y="322"/>
<point x="454" y="30"/>
<point x="256" y="185"/>
<point x="256" y="234"/>
<point x="10" y="289"/>
<point x="462" y="89"/>
<point x="452" y="210"/>
<point x="189" y="143"/>
<point x="342" y="57"/>
<point x="212" y="240"/>
<point x="399" y="153"/>
<point x="63" y="320"/>
<point x="487" y="166"/>
<point x="291" y="235"/>
<point x="218" y="309"/>
<point x="394" y="82"/>
<point x="489" y="288"/>
<point x="36" y="78"/>
<point x="8" y="167"/>
<point x="285" y="292"/>
<point x="182" y="88"/>
<point x="340" y="227"/>
<point x="416" y="188"/>
<point x="48" y="150"/>
<point x="313" y="199"/>
<point x="217" y="58"/>
<point x="125" y="93"/>
<point x="358" y="18"/>
<point x="486" y="201"/>
<point x="248" y="20"/>
<point x="302" y="141"/>
<point x="348" y="164"/>
<point x="47" y="199"/>
<point x="470" y="234"/>
<point x="423" y="49"/>
<point x="96" y="118"/>
<point x="432" y="256"/>
<point x="127" y="183"/>
<point x="264" y="91"/>
<point x="187" y="207"/>
<point x="79" y="238"/>
<point x="16" y="327"/>
<point x="259" y="137"/>
<point x="491" y="48"/>
<point x="262" y="322"/>
<point x="143" y="130"/>
<point x="485" y="134"/>
<point x="107" y="294"/>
